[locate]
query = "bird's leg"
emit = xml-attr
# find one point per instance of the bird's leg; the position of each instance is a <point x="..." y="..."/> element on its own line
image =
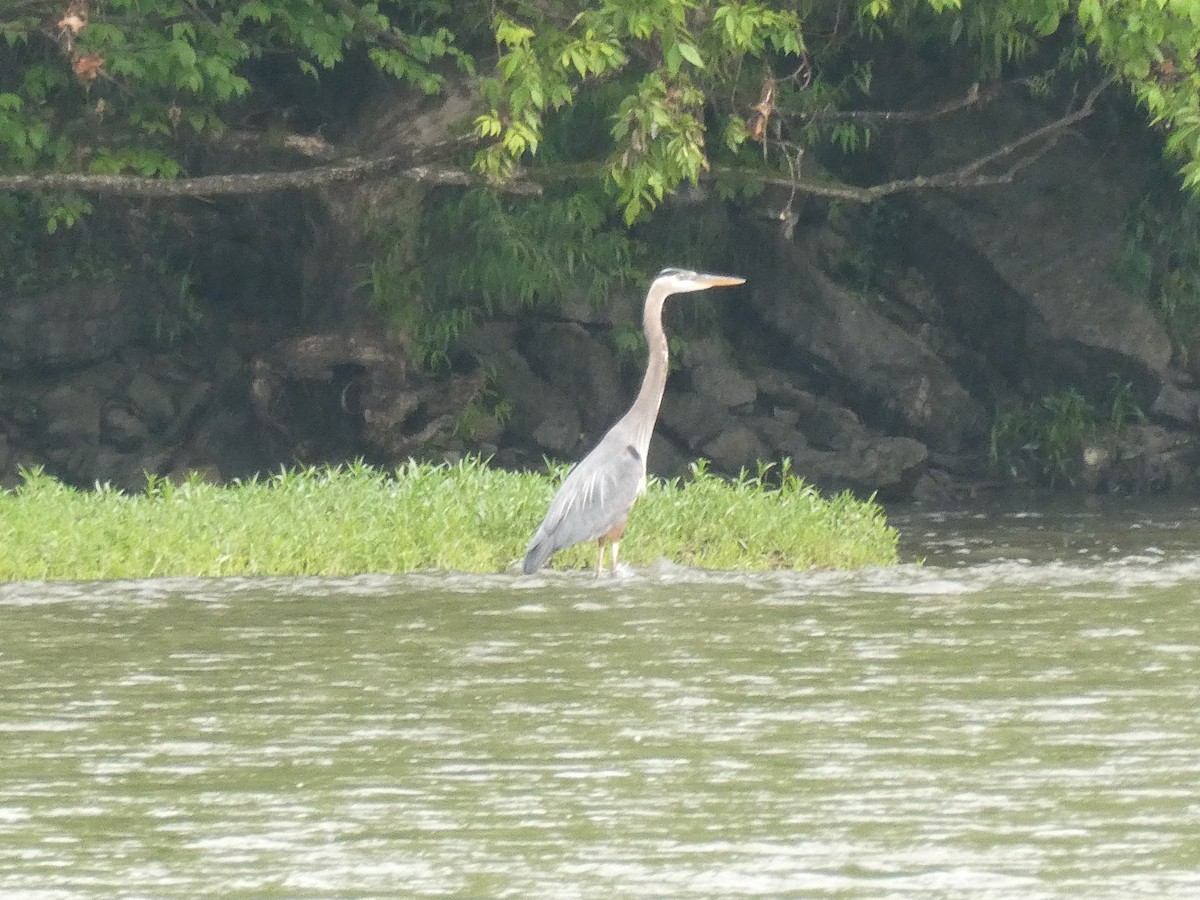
<point x="613" y="540"/>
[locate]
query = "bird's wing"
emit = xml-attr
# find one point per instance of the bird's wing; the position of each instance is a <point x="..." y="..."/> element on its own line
<point x="595" y="496"/>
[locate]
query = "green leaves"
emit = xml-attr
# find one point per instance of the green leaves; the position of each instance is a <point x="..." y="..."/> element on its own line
<point x="671" y="54"/>
<point x="1153" y="48"/>
<point x="139" y="75"/>
<point x="659" y="133"/>
<point x="477" y="254"/>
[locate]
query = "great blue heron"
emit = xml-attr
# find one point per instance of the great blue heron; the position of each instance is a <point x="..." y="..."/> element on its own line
<point x="596" y="496"/>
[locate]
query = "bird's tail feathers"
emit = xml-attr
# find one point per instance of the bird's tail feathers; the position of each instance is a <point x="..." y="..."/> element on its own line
<point x="539" y="551"/>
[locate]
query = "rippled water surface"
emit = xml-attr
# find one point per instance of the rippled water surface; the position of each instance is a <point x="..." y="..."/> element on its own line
<point x="1019" y="717"/>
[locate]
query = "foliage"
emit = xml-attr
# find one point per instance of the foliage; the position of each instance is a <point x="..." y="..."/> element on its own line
<point x="1160" y="261"/>
<point x="129" y="85"/>
<point x="487" y="409"/>
<point x="694" y="67"/>
<point x="465" y="517"/>
<point x="670" y="53"/>
<point x="475" y="253"/>
<point x="1155" y="49"/>
<point x="120" y="86"/>
<point x="31" y="254"/>
<point x="869" y="242"/>
<point x="1045" y="440"/>
<point x="768" y="520"/>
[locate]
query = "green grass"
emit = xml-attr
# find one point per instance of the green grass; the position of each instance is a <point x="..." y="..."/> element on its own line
<point x="462" y="517"/>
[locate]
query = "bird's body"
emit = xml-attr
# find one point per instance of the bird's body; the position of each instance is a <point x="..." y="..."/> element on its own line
<point x="596" y="496"/>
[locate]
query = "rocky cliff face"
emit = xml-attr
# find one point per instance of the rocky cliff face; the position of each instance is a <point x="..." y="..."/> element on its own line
<point x="885" y="384"/>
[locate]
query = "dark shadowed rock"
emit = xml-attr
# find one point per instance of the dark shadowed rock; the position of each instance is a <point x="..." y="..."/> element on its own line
<point x="708" y="351"/>
<point x="897" y="375"/>
<point x="724" y="385"/>
<point x="71" y="324"/>
<point x="825" y="424"/>
<point x="542" y="417"/>
<point x="122" y="429"/>
<point x="737" y="447"/>
<point x="1149" y="459"/>
<point x="935" y="488"/>
<point x="780" y="437"/>
<point x="1053" y="235"/>
<point x="70" y="415"/>
<point x="667" y="459"/>
<point x="572" y="361"/>
<point x="1179" y="405"/>
<point x="690" y="418"/>
<point x="559" y="431"/>
<point x="338" y="394"/>
<point x="151" y="399"/>
<point x="889" y="466"/>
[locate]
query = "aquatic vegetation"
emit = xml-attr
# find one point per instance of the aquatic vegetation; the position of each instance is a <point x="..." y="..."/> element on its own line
<point x="465" y="516"/>
<point x="1046" y="439"/>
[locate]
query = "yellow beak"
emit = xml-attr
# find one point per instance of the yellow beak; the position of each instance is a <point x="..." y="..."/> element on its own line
<point x="722" y="280"/>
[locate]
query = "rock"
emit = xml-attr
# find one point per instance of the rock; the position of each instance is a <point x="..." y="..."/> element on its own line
<point x="724" y="385"/>
<point x="403" y="414"/>
<point x="538" y="412"/>
<point x="707" y="351"/>
<point x="122" y="429"/>
<point x="904" y="383"/>
<point x="569" y="359"/>
<point x="691" y="418"/>
<point x="74" y="463"/>
<point x="780" y="438"/>
<point x="350" y="392"/>
<point x="825" y="424"/>
<point x="194" y="397"/>
<point x="667" y="459"/>
<point x="219" y="441"/>
<point x="735" y="448"/>
<point x="151" y="399"/>
<point x="122" y="470"/>
<point x="785" y="416"/>
<point x="934" y="488"/>
<point x="1050" y="235"/>
<point x="1152" y="459"/>
<point x="71" y="415"/>
<point x="887" y="466"/>
<point x="1177" y="404"/>
<point x="71" y="324"/>
<point x="560" y="431"/>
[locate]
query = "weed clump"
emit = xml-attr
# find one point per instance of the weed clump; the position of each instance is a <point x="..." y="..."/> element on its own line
<point x="465" y="516"/>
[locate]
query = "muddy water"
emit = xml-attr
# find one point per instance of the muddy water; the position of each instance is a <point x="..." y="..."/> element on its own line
<point x="1019" y="717"/>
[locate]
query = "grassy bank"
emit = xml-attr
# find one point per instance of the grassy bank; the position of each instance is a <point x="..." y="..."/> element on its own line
<point x="463" y="517"/>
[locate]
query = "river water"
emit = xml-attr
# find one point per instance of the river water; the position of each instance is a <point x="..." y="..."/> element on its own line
<point x="1017" y="717"/>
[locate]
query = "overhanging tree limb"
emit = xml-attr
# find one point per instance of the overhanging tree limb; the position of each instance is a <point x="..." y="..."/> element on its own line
<point x="968" y="175"/>
<point x="352" y="169"/>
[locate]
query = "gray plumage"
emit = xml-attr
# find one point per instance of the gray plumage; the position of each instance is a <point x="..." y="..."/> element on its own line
<point x="596" y="496"/>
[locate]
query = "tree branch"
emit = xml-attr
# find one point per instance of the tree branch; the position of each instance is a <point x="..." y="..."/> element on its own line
<point x="347" y="170"/>
<point x="968" y="175"/>
<point x="973" y="97"/>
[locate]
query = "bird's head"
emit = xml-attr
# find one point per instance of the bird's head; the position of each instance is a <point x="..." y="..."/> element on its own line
<point x="678" y="281"/>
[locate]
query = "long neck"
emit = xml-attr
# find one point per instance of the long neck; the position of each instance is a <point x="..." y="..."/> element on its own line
<point x="644" y="412"/>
